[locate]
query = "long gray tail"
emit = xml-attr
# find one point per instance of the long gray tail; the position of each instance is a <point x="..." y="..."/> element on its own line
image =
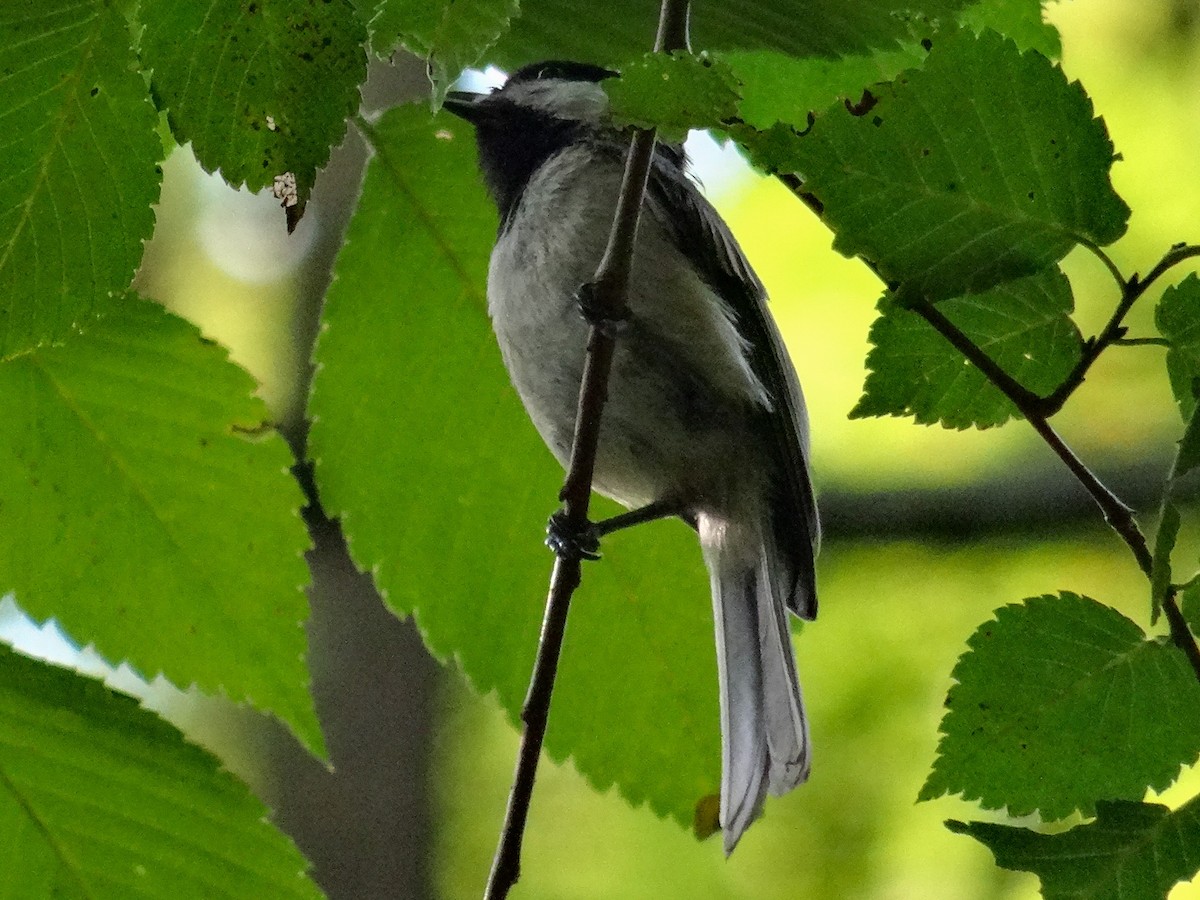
<point x="764" y="733"/>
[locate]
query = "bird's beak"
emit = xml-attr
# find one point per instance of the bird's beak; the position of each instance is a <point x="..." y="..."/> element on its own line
<point x="464" y="104"/>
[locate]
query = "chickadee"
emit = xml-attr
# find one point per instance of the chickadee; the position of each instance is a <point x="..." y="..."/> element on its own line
<point x="705" y="418"/>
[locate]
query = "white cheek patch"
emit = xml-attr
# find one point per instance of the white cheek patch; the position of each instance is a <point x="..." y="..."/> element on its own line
<point x="584" y="101"/>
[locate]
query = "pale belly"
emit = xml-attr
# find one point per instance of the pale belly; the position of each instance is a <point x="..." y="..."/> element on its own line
<point x="666" y="431"/>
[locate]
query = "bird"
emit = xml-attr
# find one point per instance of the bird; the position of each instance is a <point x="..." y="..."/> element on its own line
<point x="705" y="419"/>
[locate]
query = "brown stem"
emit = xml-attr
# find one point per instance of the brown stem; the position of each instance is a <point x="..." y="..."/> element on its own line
<point x="1116" y="512"/>
<point x="535" y="714"/>
<point x="609" y="289"/>
<point x="672" y="27"/>
<point x="1023" y="398"/>
<point x="1114" y="331"/>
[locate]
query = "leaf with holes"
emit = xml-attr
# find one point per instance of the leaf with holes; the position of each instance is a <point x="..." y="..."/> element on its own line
<point x="1059" y="675"/>
<point x="262" y="89"/>
<point x="157" y="517"/>
<point x="983" y="166"/>
<point x="80" y="167"/>
<point x="1133" y="851"/>
<point x="1178" y="320"/>
<point x="778" y="87"/>
<point x="423" y="451"/>
<point x="102" y="799"/>
<point x="1024" y="326"/>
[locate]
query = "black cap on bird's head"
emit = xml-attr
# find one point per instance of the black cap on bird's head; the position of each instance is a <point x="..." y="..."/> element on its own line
<point x="542" y="108"/>
<point x="563" y="70"/>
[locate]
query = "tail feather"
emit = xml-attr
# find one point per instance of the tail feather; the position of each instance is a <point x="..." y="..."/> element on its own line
<point x="783" y="706"/>
<point x="744" y="751"/>
<point x="764" y="733"/>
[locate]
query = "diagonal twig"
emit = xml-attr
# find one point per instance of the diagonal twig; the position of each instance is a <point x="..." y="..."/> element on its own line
<point x="1116" y="512"/>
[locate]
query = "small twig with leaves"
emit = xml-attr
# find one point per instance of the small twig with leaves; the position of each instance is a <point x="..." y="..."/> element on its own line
<point x="607" y="299"/>
<point x="1114" y="331"/>
<point x="1037" y="410"/>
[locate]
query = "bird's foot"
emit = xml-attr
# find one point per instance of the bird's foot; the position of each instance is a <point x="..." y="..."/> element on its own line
<point x="569" y="542"/>
<point x="596" y="316"/>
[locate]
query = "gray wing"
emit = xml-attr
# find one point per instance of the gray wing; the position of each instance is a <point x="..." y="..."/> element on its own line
<point x="701" y="234"/>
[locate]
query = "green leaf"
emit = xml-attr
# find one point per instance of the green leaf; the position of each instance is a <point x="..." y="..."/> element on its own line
<point x="156" y="516"/>
<point x="1190" y="606"/>
<point x="102" y="799"/>
<point x="1187" y="457"/>
<point x="450" y="35"/>
<point x="1177" y="318"/>
<point x="80" y="167"/>
<point x="1133" y="851"/>
<point x="981" y="167"/>
<point x="1024" y="325"/>
<point x="674" y="93"/>
<point x="260" y="88"/>
<point x="777" y="87"/>
<point x="443" y="488"/>
<point x="622" y="29"/>
<point x="1065" y="678"/>
<point x="1020" y="20"/>
<point x="1169" y="523"/>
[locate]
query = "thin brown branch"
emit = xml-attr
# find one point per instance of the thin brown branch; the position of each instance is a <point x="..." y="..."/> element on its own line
<point x="609" y="289"/>
<point x="1114" y="331"/>
<point x="672" y="27"/>
<point x="1173" y="257"/>
<point x="1116" y="512"/>
<point x="1023" y="398"/>
<point x="1142" y="342"/>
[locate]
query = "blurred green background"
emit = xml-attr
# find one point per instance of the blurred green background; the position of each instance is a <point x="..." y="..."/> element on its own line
<point x="928" y="531"/>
